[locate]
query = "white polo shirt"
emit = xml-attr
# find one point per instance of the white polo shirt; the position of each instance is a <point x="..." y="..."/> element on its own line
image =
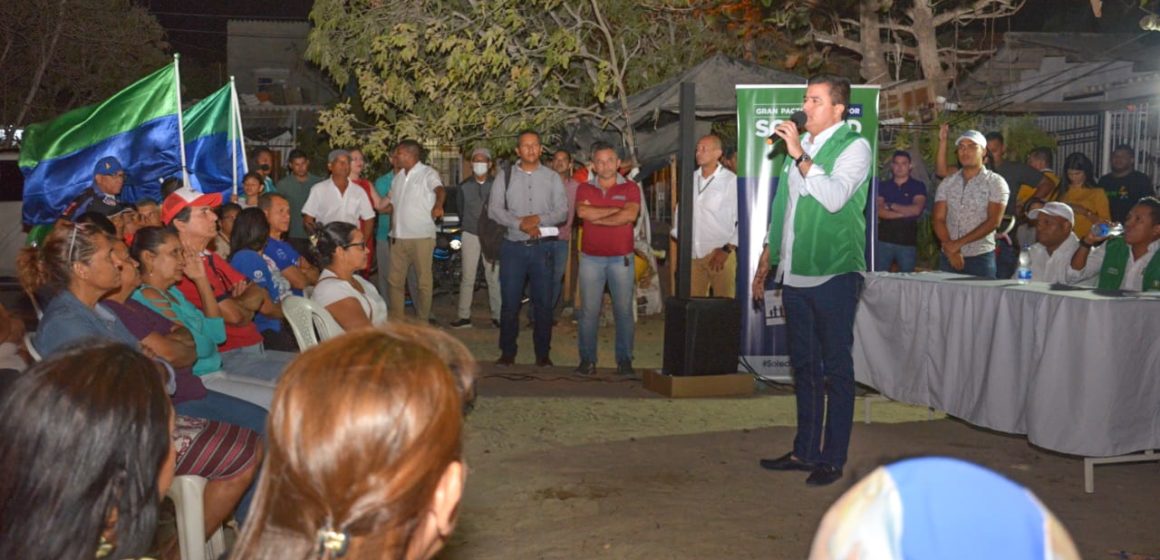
<point x="413" y="195"/>
<point x="327" y="204"/>
<point x="714" y="211"/>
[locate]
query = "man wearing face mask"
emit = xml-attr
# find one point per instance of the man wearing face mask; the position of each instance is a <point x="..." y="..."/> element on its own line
<point x="472" y="194"/>
<point x="264" y="166"/>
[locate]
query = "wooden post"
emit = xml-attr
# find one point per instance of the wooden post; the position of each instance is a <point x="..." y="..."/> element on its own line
<point x="672" y="256"/>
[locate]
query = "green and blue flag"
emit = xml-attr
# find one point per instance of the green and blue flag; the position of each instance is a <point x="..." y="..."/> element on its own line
<point x="138" y="125"/>
<point x="213" y="141"/>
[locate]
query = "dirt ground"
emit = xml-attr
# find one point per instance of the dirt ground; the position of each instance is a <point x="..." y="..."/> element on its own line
<point x="567" y="468"/>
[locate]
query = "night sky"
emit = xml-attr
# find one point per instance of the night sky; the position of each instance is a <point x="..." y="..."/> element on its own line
<point x="198" y="29"/>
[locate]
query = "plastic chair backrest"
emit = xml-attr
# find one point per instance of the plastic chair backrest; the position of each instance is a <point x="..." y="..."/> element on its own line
<point x="31" y="349"/>
<point x="297" y="311"/>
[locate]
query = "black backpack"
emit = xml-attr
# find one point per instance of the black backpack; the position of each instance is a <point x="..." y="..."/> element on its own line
<point x="491" y="232"/>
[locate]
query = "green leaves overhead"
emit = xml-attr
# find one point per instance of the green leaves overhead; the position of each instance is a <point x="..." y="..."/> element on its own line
<point x="466" y="71"/>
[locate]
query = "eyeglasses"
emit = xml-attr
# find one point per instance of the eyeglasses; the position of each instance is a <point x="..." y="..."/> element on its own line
<point x="362" y="244"/>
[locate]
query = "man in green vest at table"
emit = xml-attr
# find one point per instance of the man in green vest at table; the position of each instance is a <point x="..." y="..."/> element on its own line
<point x="1128" y="262"/>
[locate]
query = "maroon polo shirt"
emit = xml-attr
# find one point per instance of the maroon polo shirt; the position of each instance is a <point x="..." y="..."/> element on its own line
<point x="607" y="241"/>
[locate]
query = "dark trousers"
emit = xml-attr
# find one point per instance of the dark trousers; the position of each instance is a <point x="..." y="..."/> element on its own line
<point x="231" y="410"/>
<point x="820" y="324"/>
<point x="1006" y="259"/>
<point x="520" y="262"/>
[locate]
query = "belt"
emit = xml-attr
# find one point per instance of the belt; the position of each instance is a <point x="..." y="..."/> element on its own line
<point x="537" y="241"/>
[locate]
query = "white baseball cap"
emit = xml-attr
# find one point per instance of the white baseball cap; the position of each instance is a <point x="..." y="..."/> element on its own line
<point x="1054" y="209"/>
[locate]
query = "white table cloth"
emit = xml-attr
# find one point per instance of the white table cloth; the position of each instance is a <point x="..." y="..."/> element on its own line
<point x="1075" y="371"/>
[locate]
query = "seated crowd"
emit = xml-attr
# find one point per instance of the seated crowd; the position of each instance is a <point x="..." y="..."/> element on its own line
<point x="166" y="350"/>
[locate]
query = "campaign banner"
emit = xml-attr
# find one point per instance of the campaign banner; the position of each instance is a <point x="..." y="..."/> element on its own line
<point x="760" y="108"/>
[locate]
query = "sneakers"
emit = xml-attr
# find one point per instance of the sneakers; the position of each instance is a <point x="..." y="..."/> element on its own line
<point x="625" y="368"/>
<point x="461" y="324"/>
<point x="585" y="368"/>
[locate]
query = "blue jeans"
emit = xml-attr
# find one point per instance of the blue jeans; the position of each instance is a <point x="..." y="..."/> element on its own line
<point x="982" y="266"/>
<point x="618" y="273"/>
<point x="887" y="253"/>
<point x="231" y="410"/>
<point x="559" y="263"/>
<point x="820" y="327"/>
<point x="520" y="262"/>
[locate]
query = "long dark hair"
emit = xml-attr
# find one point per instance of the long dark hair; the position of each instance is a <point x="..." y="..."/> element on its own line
<point x="1076" y="161"/>
<point x="149" y="239"/>
<point x="328" y="239"/>
<point x="251" y="230"/>
<point x="86" y="434"/>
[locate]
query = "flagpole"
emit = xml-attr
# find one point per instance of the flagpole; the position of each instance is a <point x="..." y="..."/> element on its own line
<point x="180" y="119"/>
<point x="241" y="132"/>
<point x="234" y="136"/>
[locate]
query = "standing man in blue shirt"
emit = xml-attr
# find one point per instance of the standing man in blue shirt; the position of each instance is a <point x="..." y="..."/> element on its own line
<point x="901" y="200"/>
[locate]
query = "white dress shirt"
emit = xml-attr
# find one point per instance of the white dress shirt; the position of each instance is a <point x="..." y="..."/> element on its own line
<point x="1133" y="273"/>
<point x="714" y="211"/>
<point x="413" y="195"/>
<point x="1053" y="268"/>
<point x="833" y="191"/>
<point x="327" y="204"/>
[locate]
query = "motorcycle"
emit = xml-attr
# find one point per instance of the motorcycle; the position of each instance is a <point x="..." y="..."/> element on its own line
<point x="447" y="265"/>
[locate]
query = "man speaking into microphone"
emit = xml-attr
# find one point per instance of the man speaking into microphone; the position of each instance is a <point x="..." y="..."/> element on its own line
<point x="817" y="241"/>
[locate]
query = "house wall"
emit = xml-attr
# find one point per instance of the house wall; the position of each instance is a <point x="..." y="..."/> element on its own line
<point x="270" y="56"/>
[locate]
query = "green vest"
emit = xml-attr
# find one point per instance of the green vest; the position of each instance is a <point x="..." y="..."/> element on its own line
<point x="824" y="243"/>
<point x="1116" y="264"/>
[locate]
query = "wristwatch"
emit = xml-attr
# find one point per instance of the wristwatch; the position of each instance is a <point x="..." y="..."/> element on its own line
<point x="803" y="158"/>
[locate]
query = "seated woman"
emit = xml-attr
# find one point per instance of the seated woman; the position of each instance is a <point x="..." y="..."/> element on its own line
<point x="389" y="483"/>
<point x="251" y="233"/>
<point x="1080" y="191"/>
<point x="339" y="248"/>
<point x="163" y="263"/>
<point x="190" y="215"/>
<point x="227" y="214"/>
<point x="104" y="407"/>
<point x="1128" y="262"/>
<point x="251" y="190"/>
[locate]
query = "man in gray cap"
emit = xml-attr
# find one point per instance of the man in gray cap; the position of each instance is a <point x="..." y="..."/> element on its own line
<point x="472" y="195"/>
<point x="333" y="199"/>
<point x="968" y="206"/>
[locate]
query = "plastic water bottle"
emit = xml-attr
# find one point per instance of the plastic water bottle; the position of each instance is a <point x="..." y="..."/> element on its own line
<point x="1107" y="230"/>
<point x="1023" y="273"/>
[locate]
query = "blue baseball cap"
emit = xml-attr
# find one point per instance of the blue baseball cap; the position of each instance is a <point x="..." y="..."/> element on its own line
<point x="108" y="166"/>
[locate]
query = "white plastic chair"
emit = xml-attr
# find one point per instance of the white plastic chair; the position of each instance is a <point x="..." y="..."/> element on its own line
<point x="310" y="322"/>
<point x="31" y="349"/>
<point x="188" y="495"/>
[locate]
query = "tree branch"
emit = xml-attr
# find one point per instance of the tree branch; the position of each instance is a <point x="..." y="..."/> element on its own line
<point x="979" y="10"/>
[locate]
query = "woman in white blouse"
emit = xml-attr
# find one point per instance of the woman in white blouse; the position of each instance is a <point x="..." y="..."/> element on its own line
<point x="340" y="250"/>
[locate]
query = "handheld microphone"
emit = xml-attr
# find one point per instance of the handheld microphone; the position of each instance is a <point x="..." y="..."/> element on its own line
<point x="798" y="118"/>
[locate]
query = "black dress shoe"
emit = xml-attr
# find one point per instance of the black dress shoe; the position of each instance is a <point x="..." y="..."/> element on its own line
<point x="544" y="362"/>
<point x="505" y="361"/>
<point x="824" y="475"/>
<point x="787" y="462"/>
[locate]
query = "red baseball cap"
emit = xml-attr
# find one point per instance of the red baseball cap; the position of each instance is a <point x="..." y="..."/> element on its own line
<point x="186" y="197"/>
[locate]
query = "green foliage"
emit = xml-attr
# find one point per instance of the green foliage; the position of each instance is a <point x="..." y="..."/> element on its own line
<point x="463" y="73"/>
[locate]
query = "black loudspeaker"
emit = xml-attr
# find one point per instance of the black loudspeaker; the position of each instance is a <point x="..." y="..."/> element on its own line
<point x="702" y="336"/>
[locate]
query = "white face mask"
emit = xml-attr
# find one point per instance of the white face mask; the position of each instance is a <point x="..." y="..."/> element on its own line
<point x="479" y="168"/>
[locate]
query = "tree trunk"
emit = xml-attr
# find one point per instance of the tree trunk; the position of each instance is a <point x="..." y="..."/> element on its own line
<point x="45" y="59"/>
<point x="926" y="37"/>
<point x="874" y="69"/>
